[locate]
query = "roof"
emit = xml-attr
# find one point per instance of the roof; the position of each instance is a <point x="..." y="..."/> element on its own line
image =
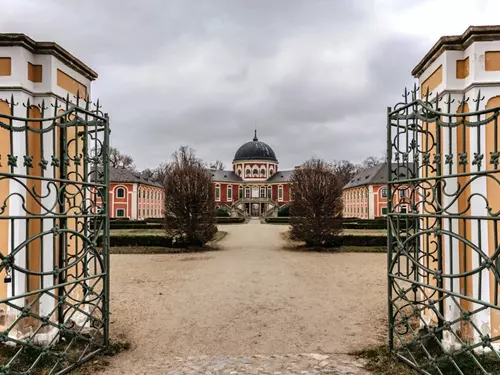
<point x="457" y="43"/>
<point x="47" y="48"/>
<point x="281" y="176"/>
<point x="255" y="150"/>
<point x="376" y="175"/>
<point x="225" y="176"/>
<point x="124" y="175"/>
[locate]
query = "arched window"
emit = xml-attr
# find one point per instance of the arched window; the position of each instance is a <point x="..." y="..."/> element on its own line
<point x="217" y="192"/>
<point x="263" y="172"/>
<point x="255" y="172"/>
<point x="239" y="172"/>
<point x="271" y="172"/>
<point x="248" y="173"/>
<point x="120" y="193"/>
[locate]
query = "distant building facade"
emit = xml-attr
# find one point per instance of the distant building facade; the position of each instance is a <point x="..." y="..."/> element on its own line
<point x="133" y="196"/>
<point x="365" y="196"/>
<point x="255" y="186"/>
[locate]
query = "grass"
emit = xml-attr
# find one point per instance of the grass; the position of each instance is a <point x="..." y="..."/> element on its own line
<point x="210" y="246"/>
<point x="300" y="246"/>
<point x="381" y="362"/>
<point x="29" y="355"/>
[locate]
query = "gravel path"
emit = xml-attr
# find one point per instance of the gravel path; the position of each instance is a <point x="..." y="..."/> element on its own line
<point x="250" y="298"/>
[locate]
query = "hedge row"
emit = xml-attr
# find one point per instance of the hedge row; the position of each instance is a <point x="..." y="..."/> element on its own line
<point x="230" y="220"/>
<point x="277" y="220"/>
<point x="142" y="240"/>
<point x="350" y="240"/>
<point x="136" y="226"/>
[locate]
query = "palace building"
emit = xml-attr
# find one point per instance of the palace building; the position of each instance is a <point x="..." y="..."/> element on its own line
<point x="255" y="186"/>
<point x="134" y="197"/>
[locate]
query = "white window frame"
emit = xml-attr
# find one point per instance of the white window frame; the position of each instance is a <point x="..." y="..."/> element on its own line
<point x="217" y="190"/>
<point x="281" y="193"/>
<point x="383" y="192"/>
<point x="263" y="189"/>
<point x="229" y="190"/>
<point x="121" y="189"/>
<point x="249" y="191"/>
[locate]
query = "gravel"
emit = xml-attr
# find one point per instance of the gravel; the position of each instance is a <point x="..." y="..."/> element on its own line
<point x="251" y="297"/>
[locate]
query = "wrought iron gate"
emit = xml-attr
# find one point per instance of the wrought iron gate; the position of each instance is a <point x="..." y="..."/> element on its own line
<point x="443" y="240"/>
<point x="54" y="280"/>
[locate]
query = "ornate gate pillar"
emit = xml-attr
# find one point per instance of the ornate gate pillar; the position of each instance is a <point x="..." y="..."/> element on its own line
<point x="53" y="198"/>
<point x="444" y="267"/>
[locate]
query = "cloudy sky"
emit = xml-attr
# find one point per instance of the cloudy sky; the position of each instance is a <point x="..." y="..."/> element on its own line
<point x="314" y="76"/>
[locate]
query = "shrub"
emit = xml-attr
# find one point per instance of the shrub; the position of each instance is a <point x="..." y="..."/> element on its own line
<point x="137" y="226"/>
<point x="222" y="212"/>
<point x="284" y="211"/>
<point x="316" y="207"/>
<point x="189" y="197"/>
<point x="278" y="220"/>
<point x="230" y="220"/>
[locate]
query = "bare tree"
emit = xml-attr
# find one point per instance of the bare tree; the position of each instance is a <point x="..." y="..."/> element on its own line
<point x="157" y="174"/>
<point x="316" y="208"/>
<point x="119" y="160"/>
<point x="345" y="171"/>
<point x="217" y="165"/>
<point x="372" y="161"/>
<point x="189" y="197"/>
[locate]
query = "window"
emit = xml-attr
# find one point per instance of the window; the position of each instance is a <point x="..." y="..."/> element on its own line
<point x="120" y="212"/>
<point x="240" y="191"/>
<point x="404" y="209"/>
<point x="402" y="193"/>
<point x="269" y="192"/>
<point x="229" y="193"/>
<point x="239" y="172"/>
<point x="280" y="193"/>
<point x="384" y="211"/>
<point x="217" y="192"/>
<point x="120" y="193"/>
<point x="247" y="173"/>
<point x="271" y="172"/>
<point x="262" y="192"/>
<point x="247" y="192"/>
<point x="263" y="172"/>
<point x="255" y="172"/>
<point x="384" y="193"/>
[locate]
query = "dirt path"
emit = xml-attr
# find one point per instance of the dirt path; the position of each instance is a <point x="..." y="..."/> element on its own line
<point x="250" y="298"/>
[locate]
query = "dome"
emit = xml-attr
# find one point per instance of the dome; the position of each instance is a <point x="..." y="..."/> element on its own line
<point x="255" y="150"/>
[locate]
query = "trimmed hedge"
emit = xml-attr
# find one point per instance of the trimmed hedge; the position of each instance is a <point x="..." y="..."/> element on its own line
<point x="230" y="220"/>
<point x="284" y="211"/>
<point x="355" y="240"/>
<point x="278" y="220"/>
<point x="142" y="240"/>
<point x="136" y="226"/>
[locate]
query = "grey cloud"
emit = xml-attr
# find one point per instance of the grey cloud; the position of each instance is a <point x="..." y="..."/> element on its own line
<point x="314" y="76"/>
